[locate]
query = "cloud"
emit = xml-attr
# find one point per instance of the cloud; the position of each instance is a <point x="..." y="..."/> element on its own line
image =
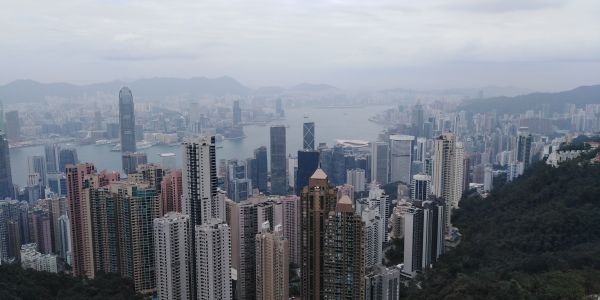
<point x="268" y="42"/>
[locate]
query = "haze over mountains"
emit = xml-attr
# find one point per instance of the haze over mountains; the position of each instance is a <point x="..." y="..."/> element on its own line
<point x="502" y="99"/>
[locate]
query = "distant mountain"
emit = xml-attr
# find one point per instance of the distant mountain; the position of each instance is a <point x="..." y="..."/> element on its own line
<point x="311" y="87"/>
<point x="554" y="102"/>
<point x="152" y="88"/>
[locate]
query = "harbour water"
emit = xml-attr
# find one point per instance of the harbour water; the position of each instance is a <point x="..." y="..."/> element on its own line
<point x="330" y="124"/>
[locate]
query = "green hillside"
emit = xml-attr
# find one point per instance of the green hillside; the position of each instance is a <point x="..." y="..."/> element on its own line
<point x="16" y="283"/>
<point x="535" y="238"/>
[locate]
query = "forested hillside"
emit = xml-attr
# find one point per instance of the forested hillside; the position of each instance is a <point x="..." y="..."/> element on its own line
<point x="535" y="238"/>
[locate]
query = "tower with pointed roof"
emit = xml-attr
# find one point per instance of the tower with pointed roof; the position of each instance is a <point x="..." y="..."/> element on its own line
<point x="330" y="228"/>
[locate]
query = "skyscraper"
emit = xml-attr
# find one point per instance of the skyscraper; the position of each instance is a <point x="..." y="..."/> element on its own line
<point x="288" y="215"/>
<point x="13" y="126"/>
<point x="380" y="162"/>
<point x="127" y="120"/>
<point x="447" y="177"/>
<point x="237" y="113"/>
<point x="213" y="260"/>
<point x="37" y="165"/>
<point x="272" y="263"/>
<point x="308" y="136"/>
<point x="383" y="284"/>
<point x="6" y="184"/>
<point x="105" y="230"/>
<point x="401" y="149"/>
<point x="171" y="190"/>
<point x="199" y="178"/>
<point x="137" y="207"/>
<point x="131" y="160"/>
<point x="278" y="161"/>
<point x="67" y="156"/>
<point x="317" y="200"/>
<point x="51" y="152"/>
<point x="78" y="183"/>
<point x="172" y="238"/>
<point x="413" y="241"/>
<point x="417" y="120"/>
<point x="373" y="236"/>
<point x="343" y="264"/>
<point x="524" y="147"/>
<point x="308" y="162"/>
<point x="420" y="187"/>
<point x="356" y="178"/>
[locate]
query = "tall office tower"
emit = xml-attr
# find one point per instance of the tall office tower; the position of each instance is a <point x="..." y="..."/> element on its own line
<point x="137" y="207"/>
<point x="213" y="248"/>
<point x="127" y="120"/>
<point x="380" y="155"/>
<point x="308" y="136"/>
<point x="240" y="189"/>
<point x="168" y="161"/>
<point x="317" y="200"/>
<point x="524" y="147"/>
<point x="262" y="169"/>
<point x="78" y="184"/>
<point x="51" y="153"/>
<point x="383" y="284"/>
<point x="401" y="148"/>
<point x="373" y="237"/>
<point x="9" y="212"/>
<point x="64" y="238"/>
<point x="356" y="178"/>
<point x="420" y="187"/>
<point x="13" y="126"/>
<point x="13" y="239"/>
<point x="292" y="169"/>
<point x="447" y="174"/>
<point x="131" y="160"/>
<point x="338" y="166"/>
<point x="417" y="119"/>
<point x="24" y="222"/>
<point x="67" y="156"/>
<point x="413" y="241"/>
<point x="343" y="257"/>
<point x="199" y="178"/>
<point x="36" y="165"/>
<point x="7" y="189"/>
<point x="308" y="162"/>
<point x="378" y="198"/>
<point x="237" y="113"/>
<point x="272" y="263"/>
<point x="278" y="161"/>
<point x="105" y="229"/>
<point x="172" y="253"/>
<point x="56" y="208"/>
<point x="459" y="173"/>
<point x="433" y="231"/>
<point x="420" y="150"/>
<point x="171" y="190"/>
<point x="288" y="215"/>
<point x="279" y="108"/>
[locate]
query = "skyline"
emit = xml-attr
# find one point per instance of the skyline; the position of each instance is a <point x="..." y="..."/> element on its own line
<point x="539" y="45"/>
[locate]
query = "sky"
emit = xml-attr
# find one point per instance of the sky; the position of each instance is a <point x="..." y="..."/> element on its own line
<point x="543" y="45"/>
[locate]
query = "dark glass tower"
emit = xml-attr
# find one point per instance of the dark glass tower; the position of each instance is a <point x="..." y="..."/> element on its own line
<point x="237" y="113"/>
<point x="308" y="140"/>
<point x="6" y="184"/>
<point x="308" y="162"/>
<point x="260" y="155"/>
<point x="278" y="161"/>
<point x="127" y="120"/>
<point x="66" y="157"/>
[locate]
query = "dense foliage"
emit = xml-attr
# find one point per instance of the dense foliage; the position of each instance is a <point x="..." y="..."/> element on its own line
<point x="16" y="283"/>
<point x="535" y="238"/>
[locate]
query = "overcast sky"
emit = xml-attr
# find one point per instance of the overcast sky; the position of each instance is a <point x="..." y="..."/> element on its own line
<point x="537" y="44"/>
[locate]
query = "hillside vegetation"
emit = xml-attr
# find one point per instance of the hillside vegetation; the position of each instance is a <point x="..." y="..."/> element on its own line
<point x="535" y="238"/>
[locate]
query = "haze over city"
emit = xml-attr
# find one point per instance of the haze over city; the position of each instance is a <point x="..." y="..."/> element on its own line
<point x="537" y="45"/>
<point x="300" y="150"/>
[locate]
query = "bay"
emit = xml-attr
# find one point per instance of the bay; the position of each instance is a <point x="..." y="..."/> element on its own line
<point x="330" y="124"/>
